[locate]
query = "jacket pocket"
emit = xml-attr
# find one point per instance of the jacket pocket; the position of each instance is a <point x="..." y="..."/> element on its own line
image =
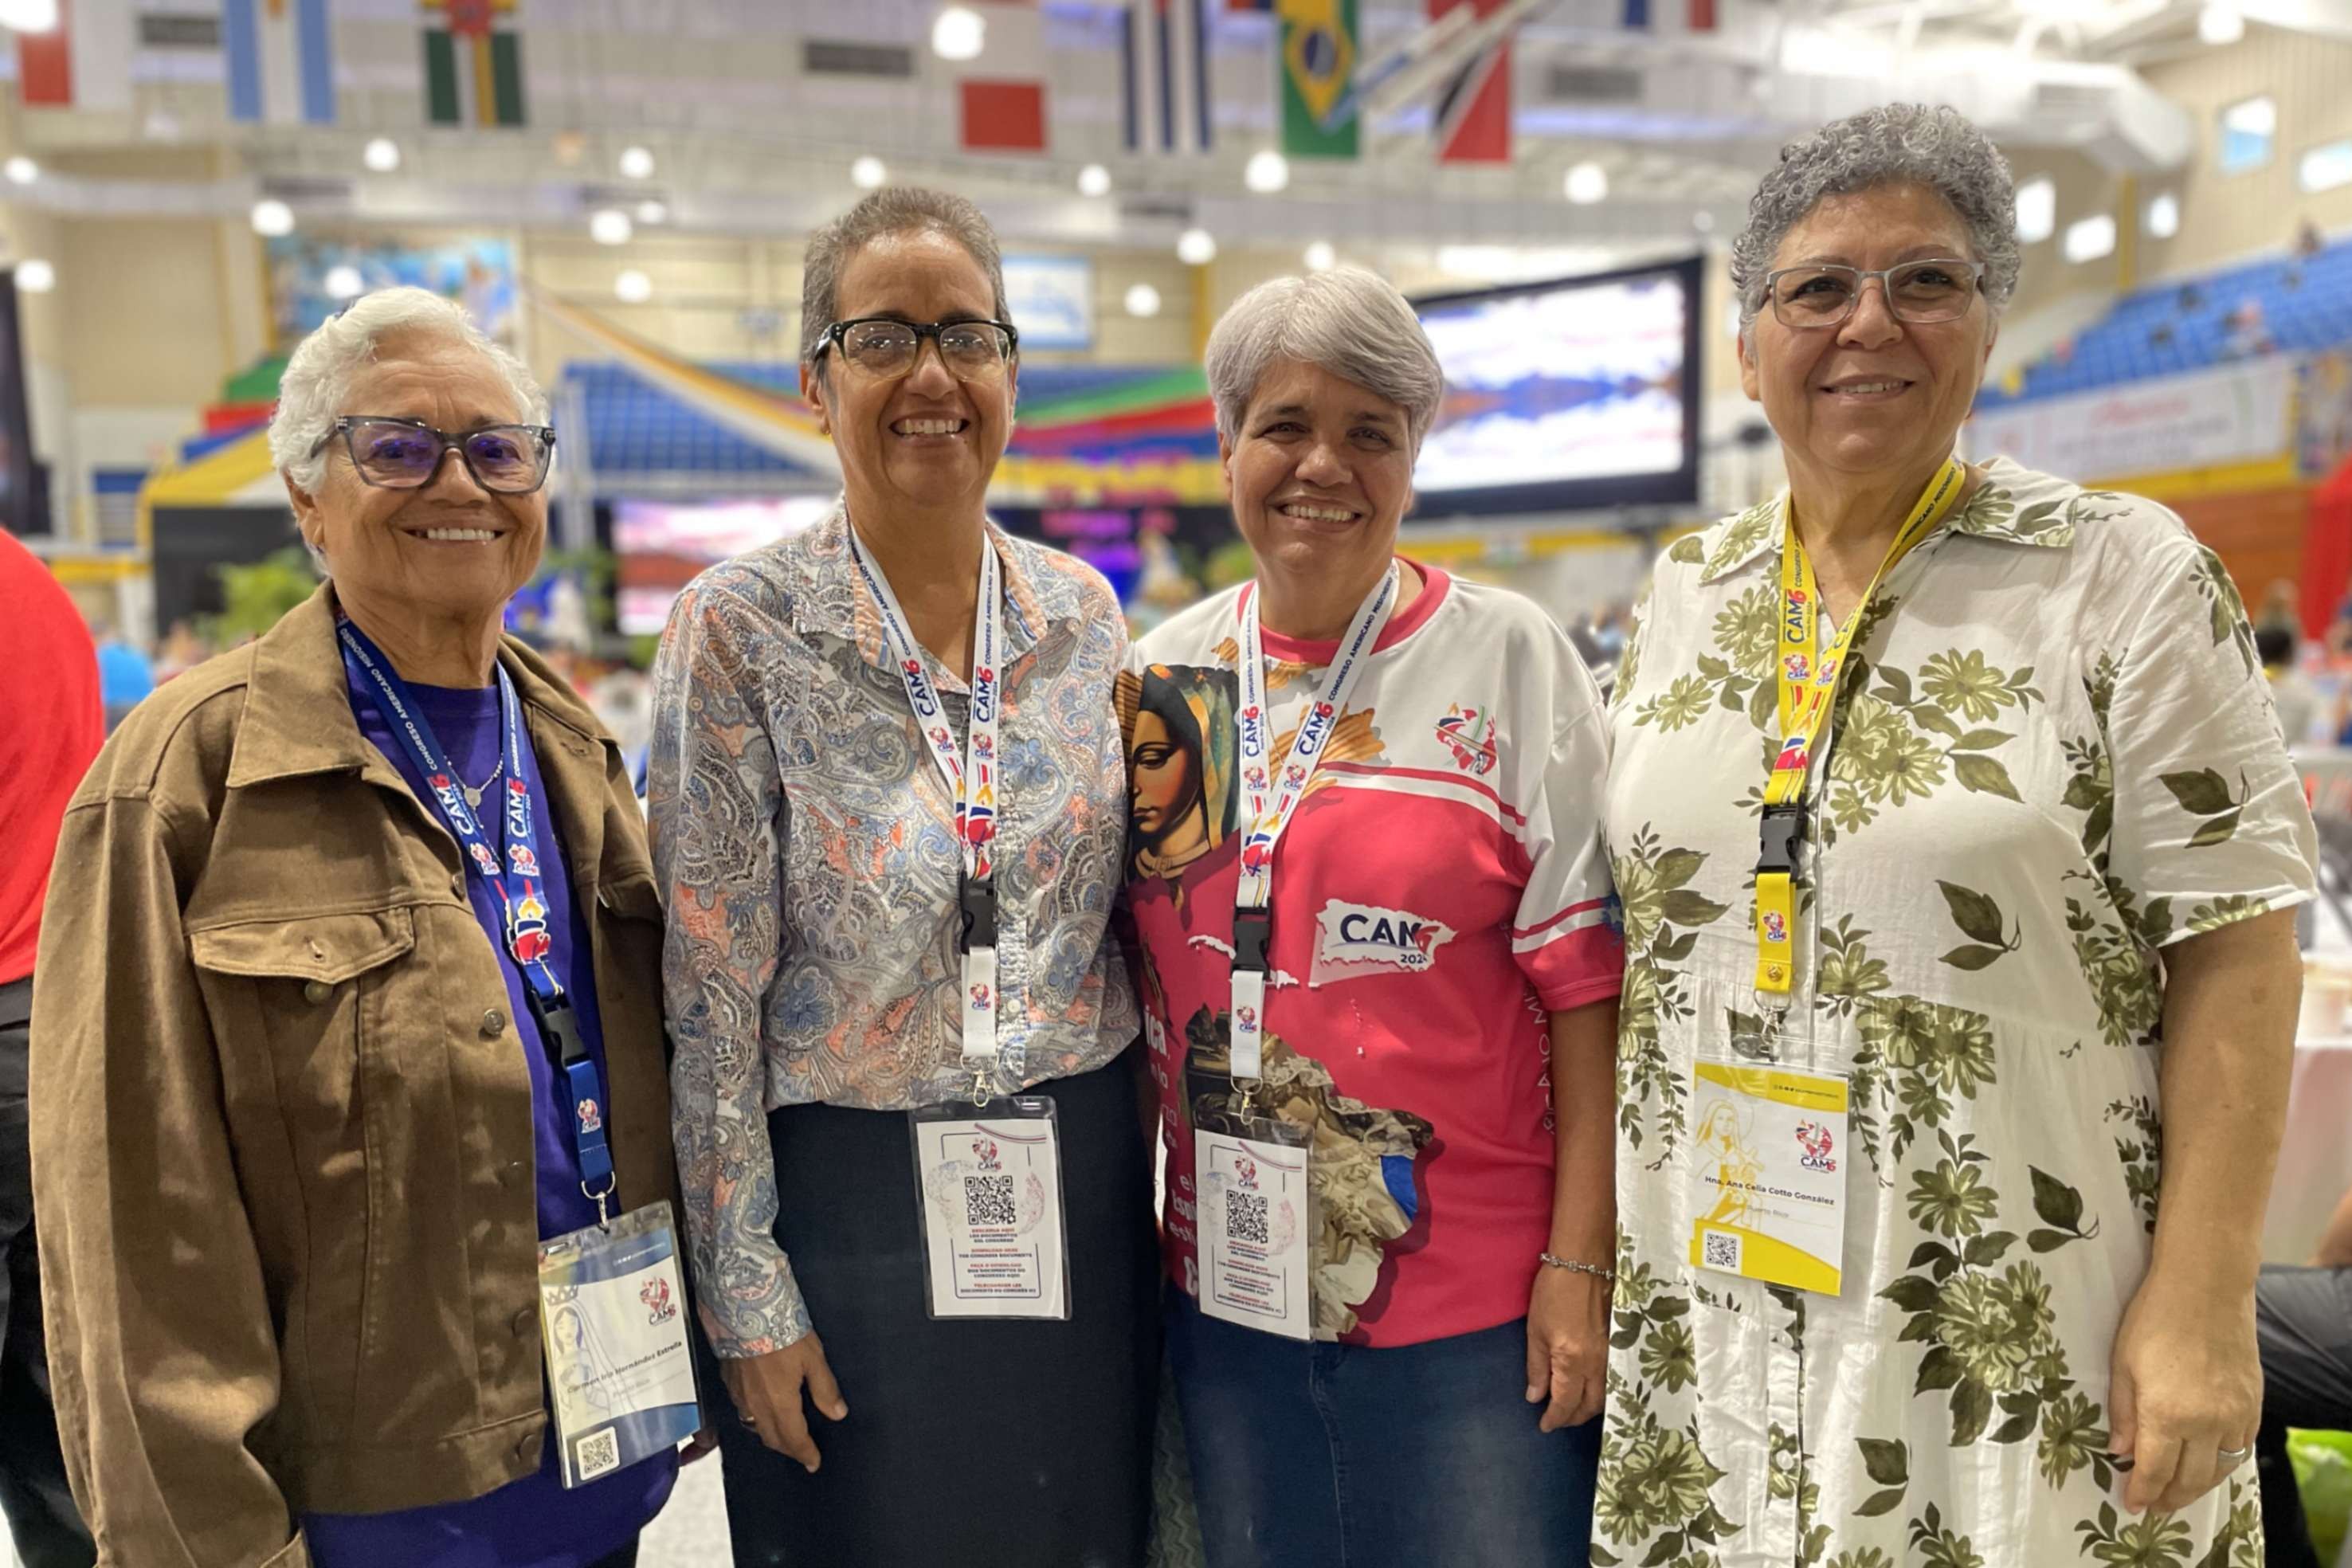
<point x="297" y="1005"/>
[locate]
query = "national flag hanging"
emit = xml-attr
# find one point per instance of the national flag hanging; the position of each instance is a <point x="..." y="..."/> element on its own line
<point x="282" y="60"/>
<point x="1637" y="13"/>
<point x="1164" y="72"/>
<point x="1001" y="106"/>
<point x="473" y="72"/>
<point x="1701" y="16"/>
<point x="84" y="62"/>
<point x="1474" y="111"/>
<point x="1318" y="61"/>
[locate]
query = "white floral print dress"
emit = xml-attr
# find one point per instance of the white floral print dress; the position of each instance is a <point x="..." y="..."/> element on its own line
<point x="2054" y="755"/>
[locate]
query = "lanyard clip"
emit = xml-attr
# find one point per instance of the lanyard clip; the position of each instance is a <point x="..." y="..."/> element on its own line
<point x="977" y="900"/>
<point x="1782" y="829"/>
<point x="1253" y="935"/>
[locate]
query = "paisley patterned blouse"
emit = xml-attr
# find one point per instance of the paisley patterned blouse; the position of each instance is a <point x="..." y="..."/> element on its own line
<point x="806" y="848"/>
<point x="2054" y="757"/>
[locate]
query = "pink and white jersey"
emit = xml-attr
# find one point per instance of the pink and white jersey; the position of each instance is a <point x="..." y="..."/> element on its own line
<point x="1442" y="888"/>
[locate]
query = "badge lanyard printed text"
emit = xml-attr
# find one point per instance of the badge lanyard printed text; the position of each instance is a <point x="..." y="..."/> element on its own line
<point x="1808" y="681"/>
<point x="515" y="877"/>
<point x="1273" y="792"/>
<point x="970" y="779"/>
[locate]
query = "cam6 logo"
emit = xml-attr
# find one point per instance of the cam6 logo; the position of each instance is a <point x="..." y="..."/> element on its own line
<point x="592" y="1119"/>
<point x="941" y="738"/>
<point x="659" y="1308"/>
<point x="1254" y="776"/>
<point x="517" y="809"/>
<point x="984" y="1151"/>
<point x="1315" y="730"/>
<point x="451" y="805"/>
<point x="484" y="859"/>
<point x="1775" y="927"/>
<point x="1792" y="615"/>
<point x="918" y="689"/>
<point x="1814" y="1144"/>
<point x="1295" y="776"/>
<point x="1253" y="723"/>
<point x="524" y="858"/>
<point x="1245" y="1020"/>
<point x="1245" y="1171"/>
<point x="1796" y="667"/>
<point x="983" y="998"/>
<point x="984" y="747"/>
<point x="983" y="694"/>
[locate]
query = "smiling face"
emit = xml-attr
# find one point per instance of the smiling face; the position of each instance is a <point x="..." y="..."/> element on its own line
<point x="1872" y="396"/>
<point x="450" y="549"/>
<point x="1320" y="473"/>
<point x="924" y="439"/>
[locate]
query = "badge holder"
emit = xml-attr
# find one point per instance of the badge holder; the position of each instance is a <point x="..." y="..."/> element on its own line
<point x="987" y="1186"/>
<point x="612" y="1317"/>
<point x="1768" y="1178"/>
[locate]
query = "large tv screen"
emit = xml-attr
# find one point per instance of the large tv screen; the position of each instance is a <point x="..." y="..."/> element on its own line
<point x="1566" y="395"/>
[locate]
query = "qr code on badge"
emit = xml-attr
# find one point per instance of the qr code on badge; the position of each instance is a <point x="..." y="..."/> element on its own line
<point x="1245" y="1218"/>
<point x="597" y="1452"/>
<point x="1720" y="1249"/>
<point x="988" y="1200"/>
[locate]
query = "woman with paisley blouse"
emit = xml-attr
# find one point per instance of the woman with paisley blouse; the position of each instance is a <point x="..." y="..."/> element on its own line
<point x="813" y="855"/>
<point x="1947" y="805"/>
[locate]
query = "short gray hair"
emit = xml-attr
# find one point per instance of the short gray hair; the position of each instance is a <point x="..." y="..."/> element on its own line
<point x="892" y="210"/>
<point x="1349" y="321"/>
<point x="1895" y="144"/>
<point x="320" y="373"/>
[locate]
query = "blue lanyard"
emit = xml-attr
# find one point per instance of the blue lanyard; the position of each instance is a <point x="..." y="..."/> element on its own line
<point x="513" y="877"/>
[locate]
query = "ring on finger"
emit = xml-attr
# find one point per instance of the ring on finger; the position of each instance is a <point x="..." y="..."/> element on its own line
<point x="2234" y="1456"/>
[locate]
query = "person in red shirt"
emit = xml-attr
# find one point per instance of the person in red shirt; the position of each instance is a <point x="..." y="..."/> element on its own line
<point x="51" y="728"/>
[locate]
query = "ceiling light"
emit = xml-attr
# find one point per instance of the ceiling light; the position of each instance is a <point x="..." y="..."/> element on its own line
<point x="272" y="217"/>
<point x="2220" y="25"/>
<point x="21" y="170"/>
<point x="29" y="16"/>
<point x="382" y="155"/>
<point x="1194" y="247"/>
<point x="653" y="212"/>
<point x="1320" y="256"/>
<point x="610" y="226"/>
<point x="1268" y="172"/>
<point x="1142" y="299"/>
<point x="632" y="287"/>
<point x="958" y="34"/>
<point x="1703" y="221"/>
<point x="2087" y="239"/>
<point x="867" y="173"/>
<point x="1586" y="184"/>
<point x="344" y="282"/>
<point x="2164" y="217"/>
<point x="1093" y="180"/>
<point x="2037" y="210"/>
<point x="636" y="164"/>
<point x="35" y="275"/>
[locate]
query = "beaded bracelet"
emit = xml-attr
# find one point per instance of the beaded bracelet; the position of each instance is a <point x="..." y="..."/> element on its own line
<point x="1603" y="1275"/>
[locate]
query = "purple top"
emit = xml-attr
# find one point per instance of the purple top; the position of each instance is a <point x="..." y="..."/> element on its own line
<point x="532" y="1523"/>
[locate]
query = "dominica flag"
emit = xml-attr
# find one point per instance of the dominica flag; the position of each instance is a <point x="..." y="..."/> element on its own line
<point x="1319" y="60"/>
<point x="473" y="72"/>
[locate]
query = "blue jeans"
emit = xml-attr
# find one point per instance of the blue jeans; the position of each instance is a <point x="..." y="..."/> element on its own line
<point x="1333" y="1456"/>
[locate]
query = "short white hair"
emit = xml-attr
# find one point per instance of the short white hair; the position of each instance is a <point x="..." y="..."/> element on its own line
<point x="1349" y="321"/>
<point x="320" y="373"/>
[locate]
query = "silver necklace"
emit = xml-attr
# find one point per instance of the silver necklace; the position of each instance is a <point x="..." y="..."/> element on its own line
<point x="473" y="795"/>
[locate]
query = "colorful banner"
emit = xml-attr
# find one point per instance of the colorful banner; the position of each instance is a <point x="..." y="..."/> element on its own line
<point x="1318" y="61"/>
<point x="473" y="73"/>
<point x="2238" y="414"/>
<point x="281" y="60"/>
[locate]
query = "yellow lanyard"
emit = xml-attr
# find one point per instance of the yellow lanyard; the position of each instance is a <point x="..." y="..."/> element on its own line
<point x="1808" y="690"/>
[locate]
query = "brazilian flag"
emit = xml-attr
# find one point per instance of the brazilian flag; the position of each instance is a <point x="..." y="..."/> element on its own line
<point x="1318" y="61"/>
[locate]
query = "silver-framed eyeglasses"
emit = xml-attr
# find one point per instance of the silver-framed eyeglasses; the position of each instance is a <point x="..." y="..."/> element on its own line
<point x="396" y="453"/>
<point x="1937" y="290"/>
<point x="886" y="347"/>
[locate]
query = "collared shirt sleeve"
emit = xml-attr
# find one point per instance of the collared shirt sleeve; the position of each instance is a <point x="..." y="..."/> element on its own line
<point x="719" y="825"/>
<point x="2209" y="822"/>
<point x="1567" y="936"/>
<point x="137" y="1194"/>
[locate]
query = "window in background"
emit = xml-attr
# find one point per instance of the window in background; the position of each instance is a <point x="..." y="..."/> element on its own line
<point x="2249" y="129"/>
<point x="2162" y="220"/>
<point x="2037" y="210"/>
<point x="2089" y="238"/>
<point x="2326" y="166"/>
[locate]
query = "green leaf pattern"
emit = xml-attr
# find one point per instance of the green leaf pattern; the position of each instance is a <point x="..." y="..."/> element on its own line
<point x="1995" y="1015"/>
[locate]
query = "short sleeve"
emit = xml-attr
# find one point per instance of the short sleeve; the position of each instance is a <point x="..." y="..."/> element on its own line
<point x="1567" y="936"/>
<point x="2210" y="824"/>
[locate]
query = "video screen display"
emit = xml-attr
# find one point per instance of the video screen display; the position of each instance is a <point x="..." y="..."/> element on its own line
<point x="1565" y="396"/>
<point x="661" y="546"/>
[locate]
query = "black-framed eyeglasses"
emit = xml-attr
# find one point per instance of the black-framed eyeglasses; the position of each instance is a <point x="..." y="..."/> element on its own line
<point x="1937" y="290"/>
<point x="887" y="347"/>
<point x="405" y="454"/>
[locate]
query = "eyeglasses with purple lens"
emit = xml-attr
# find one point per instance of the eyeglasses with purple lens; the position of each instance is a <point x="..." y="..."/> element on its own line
<point x="405" y="454"/>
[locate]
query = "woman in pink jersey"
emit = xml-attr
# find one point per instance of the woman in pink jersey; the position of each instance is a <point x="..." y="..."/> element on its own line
<point x="1379" y="958"/>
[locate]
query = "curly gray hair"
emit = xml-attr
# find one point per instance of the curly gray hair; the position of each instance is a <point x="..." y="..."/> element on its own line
<point x="1350" y="321"/>
<point x="1896" y="143"/>
<point x="893" y="210"/>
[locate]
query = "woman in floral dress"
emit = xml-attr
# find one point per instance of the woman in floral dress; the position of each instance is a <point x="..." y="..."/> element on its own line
<point x="2040" y="929"/>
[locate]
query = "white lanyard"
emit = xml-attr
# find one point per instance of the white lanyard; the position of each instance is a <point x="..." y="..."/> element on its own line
<point x="1274" y="793"/>
<point x="970" y="780"/>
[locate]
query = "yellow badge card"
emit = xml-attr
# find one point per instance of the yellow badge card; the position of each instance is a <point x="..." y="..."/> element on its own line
<point x="1768" y="1174"/>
